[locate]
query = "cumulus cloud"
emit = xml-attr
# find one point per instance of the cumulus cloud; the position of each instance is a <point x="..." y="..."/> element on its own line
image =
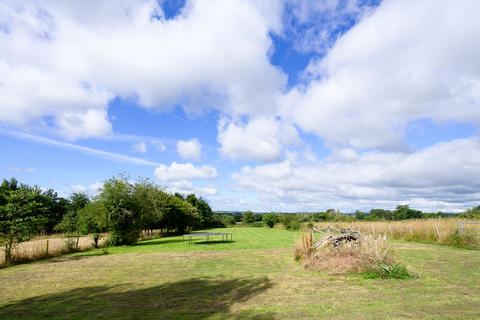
<point x="262" y="139"/>
<point x="184" y="171"/>
<point x="443" y="176"/>
<point x="187" y="187"/>
<point x="64" y="61"/>
<point x="407" y="61"/>
<point x="177" y="177"/>
<point x="189" y="149"/>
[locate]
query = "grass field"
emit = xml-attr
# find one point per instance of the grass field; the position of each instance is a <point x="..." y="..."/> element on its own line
<point x="254" y="277"/>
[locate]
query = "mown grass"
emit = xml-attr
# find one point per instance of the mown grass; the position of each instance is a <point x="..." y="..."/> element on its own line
<point x="254" y="277"/>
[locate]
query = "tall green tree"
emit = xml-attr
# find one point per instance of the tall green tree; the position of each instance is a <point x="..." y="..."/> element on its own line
<point x="205" y="213"/>
<point x="22" y="215"/>
<point x="123" y="213"/>
<point x="93" y="219"/>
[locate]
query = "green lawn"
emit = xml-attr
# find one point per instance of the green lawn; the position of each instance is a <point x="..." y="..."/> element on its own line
<point x="254" y="277"/>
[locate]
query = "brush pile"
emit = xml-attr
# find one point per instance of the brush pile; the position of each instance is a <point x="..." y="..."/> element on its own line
<point x="343" y="250"/>
<point x="336" y="236"/>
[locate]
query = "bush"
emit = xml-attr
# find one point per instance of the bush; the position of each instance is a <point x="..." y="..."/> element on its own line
<point x="270" y="219"/>
<point x="291" y="221"/>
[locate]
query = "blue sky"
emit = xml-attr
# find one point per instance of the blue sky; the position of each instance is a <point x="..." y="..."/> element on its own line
<point x="283" y="105"/>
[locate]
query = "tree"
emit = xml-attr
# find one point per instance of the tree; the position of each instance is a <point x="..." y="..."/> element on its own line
<point x="270" y="219"/>
<point x="179" y="214"/>
<point x="56" y="207"/>
<point x="205" y="217"/>
<point x="248" y="217"/>
<point x="123" y="214"/>
<point x="93" y="218"/>
<point x="21" y="216"/>
<point x="403" y="212"/>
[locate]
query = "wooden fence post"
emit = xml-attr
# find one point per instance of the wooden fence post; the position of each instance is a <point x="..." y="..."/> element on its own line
<point x="46" y="247"/>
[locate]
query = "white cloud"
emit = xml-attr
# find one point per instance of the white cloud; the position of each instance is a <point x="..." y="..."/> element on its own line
<point x="189" y="149"/>
<point x="65" y="61"/>
<point x="140" y="147"/>
<point x="92" y="189"/>
<point x="184" y="171"/>
<point x="444" y="176"/>
<point x="261" y="139"/>
<point x="409" y="60"/>
<point x="177" y="177"/>
<point x="112" y="156"/>
<point x="186" y="187"/>
<point x="78" y="188"/>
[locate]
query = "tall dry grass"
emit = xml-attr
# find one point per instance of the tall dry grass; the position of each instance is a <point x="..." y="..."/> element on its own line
<point x="441" y="230"/>
<point x="38" y="249"/>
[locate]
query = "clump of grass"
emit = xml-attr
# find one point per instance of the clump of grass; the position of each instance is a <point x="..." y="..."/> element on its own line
<point x="304" y="247"/>
<point x="387" y="271"/>
<point x="370" y="256"/>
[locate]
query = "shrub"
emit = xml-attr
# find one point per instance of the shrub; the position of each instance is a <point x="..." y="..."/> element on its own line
<point x="291" y="221"/>
<point x="270" y="219"/>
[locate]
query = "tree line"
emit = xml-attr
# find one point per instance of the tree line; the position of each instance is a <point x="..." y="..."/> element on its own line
<point x="122" y="208"/>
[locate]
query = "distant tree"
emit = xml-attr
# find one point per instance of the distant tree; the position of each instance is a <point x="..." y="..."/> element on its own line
<point x="291" y="221"/>
<point x="403" y="212"/>
<point x="227" y="219"/>
<point x="270" y="219"/>
<point x="380" y="214"/>
<point x="248" y="217"/>
<point x="360" y="215"/>
<point x="22" y="214"/>
<point x="473" y="213"/>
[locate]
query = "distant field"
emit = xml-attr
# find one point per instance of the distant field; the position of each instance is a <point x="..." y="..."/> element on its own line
<point x="254" y="277"/>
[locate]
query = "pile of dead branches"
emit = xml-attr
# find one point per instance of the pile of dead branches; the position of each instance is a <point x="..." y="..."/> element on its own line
<point x="336" y="236"/>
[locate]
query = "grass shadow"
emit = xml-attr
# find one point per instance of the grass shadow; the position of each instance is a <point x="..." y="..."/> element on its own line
<point x="196" y="298"/>
<point x="203" y="242"/>
<point x="156" y="242"/>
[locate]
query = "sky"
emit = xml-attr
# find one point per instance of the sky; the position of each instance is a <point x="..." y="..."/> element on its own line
<point x="280" y="105"/>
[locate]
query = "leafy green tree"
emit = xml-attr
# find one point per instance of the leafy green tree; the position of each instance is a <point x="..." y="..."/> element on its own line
<point x="205" y="213"/>
<point x="22" y="214"/>
<point x="123" y="214"/>
<point x="270" y="219"/>
<point x="403" y="212"/>
<point x="93" y="219"/>
<point x="248" y="217"/>
<point x="473" y="213"/>
<point x="381" y="214"/>
<point x="179" y="214"/>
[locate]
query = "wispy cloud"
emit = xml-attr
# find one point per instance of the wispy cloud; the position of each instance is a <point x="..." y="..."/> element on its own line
<point x="79" y="148"/>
